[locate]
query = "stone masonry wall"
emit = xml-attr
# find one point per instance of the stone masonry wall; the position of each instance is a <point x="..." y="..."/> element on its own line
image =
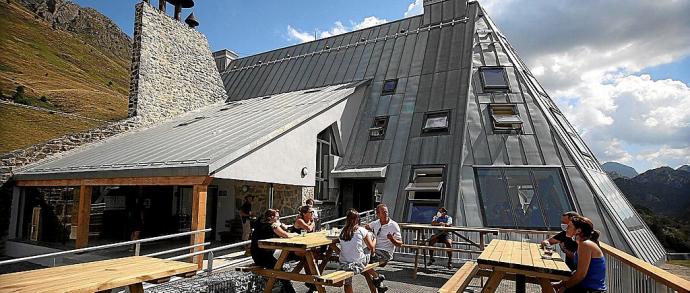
<point x="173" y="70"/>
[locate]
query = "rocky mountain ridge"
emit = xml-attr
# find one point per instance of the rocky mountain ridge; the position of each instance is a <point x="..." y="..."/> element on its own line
<point x="97" y="29"/>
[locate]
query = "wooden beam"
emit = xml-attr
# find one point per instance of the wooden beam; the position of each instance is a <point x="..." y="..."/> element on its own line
<point x="83" y="216"/>
<point x="124" y="181"/>
<point x="199" y="220"/>
<point x="161" y="5"/>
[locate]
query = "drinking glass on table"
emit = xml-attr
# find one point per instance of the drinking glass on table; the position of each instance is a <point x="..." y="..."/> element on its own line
<point x="548" y="251"/>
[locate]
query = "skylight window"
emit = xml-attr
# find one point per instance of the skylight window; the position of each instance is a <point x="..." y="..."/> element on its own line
<point x="494" y="78"/>
<point x="522" y="198"/>
<point x="378" y="128"/>
<point x="505" y="118"/>
<point x="437" y="122"/>
<point x="389" y="87"/>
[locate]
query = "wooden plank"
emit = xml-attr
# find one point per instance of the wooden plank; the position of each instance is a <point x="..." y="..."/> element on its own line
<point x="95" y="276"/>
<point x="459" y="281"/>
<point x="124" y="181"/>
<point x="493" y="282"/>
<point x="199" y="193"/>
<point x="83" y="217"/>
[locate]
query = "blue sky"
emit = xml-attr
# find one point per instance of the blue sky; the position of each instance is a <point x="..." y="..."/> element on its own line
<point x="250" y="27"/>
<point x="623" y="83"/>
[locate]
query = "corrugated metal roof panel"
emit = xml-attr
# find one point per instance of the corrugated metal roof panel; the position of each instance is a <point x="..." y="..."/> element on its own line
<point x="196" y="143"/>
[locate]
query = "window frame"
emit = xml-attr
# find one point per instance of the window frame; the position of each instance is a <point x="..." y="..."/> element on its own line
<point x="495" y="88"/>
<point x="529" y="169"/>
<point x="385" y="92"/>
<point x="383" y="128"/>
<point x="504" y="129"/>
<point x="436" y="130"/>
<point x="439" y="202"/>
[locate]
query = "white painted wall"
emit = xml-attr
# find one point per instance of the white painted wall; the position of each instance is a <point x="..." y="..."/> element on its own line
<point x="226" y="209"/>
<point x="281" y="160"/>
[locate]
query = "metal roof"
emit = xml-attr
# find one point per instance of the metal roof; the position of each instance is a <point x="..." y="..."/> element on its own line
<point x="198" y="143"/>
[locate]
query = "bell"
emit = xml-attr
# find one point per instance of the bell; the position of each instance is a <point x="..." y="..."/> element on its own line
<point x="191" y="20"/>
<point x="183" y="3"/>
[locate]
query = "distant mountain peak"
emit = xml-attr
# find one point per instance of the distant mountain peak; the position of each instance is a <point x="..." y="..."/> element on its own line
<point x="685" y="168"/>
<point x="618" y="170"/>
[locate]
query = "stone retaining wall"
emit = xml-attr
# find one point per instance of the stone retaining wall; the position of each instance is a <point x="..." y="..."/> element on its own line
<point x="19" y="158"/>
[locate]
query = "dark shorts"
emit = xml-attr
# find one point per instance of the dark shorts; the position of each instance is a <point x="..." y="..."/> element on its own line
<point x="442" y="237"/>
<point x="381" y="256"/>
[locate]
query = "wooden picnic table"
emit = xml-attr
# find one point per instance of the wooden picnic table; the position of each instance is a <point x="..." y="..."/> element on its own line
<point x="522" y="260"/>
<point x="309" y="244"/>
<point x="98" y="276"/>
<point x="421" y="237"/>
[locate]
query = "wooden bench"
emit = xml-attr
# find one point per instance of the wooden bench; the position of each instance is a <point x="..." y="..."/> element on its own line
<point x="337" y="278"/>
<point x="334" y="279"/>
<point x="459" y="281"/>
<point x="424" y="248"/>
<point x="248" y="269"/>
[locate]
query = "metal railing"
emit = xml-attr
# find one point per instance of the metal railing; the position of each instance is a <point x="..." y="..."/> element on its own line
<point x="365" y="217"/>
<point x="136" y="243"/>
<point x="626" y="273"/>
<point x="209" y="254"/>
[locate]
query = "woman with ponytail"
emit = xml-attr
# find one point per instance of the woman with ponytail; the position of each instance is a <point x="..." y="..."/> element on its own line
<point x="356" y="244"/>
<point x="590" y="275"/>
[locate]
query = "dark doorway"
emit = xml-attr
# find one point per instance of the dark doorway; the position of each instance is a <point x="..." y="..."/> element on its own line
<point x="359" y="194"/>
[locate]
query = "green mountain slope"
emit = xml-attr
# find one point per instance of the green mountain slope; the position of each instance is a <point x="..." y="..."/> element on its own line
<point x="58" y="70"/>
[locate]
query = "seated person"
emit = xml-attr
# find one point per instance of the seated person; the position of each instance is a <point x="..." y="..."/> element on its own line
<point x="355" y="246"/>
<point x="267" y="227"/>
<point x="305" y="220"/>
<point x="441" y="219"/>
<point x="387" y="232"/>
<point x="590" y="274"/>
<point x="568" y="246"/>
<point x="310" y="203"/>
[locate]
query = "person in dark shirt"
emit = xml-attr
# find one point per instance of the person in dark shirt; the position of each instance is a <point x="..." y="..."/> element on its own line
<point x="245" y="215"/>
<point x="568" y="246"/>
<point x="269" y="226"/>
<point x="305" y="221"/>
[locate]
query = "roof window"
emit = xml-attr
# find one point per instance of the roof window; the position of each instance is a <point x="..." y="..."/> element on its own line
<point x="494" y="78"/>
<point x="377" y="130"/>
<point x="389" y="87"/>
<point x="505" y="118"/>
<point x="436" y="122"/>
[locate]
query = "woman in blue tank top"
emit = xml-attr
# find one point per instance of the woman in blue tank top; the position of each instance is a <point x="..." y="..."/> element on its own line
<point x="590" y="275"/>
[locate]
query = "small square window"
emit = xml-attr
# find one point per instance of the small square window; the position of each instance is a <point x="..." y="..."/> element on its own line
<point x="505" y="118"/>
<point x="378" y="128"/>
<point x="494" y="78"/>
<point x="389" y="87"/>
<point x="436" y="122"/>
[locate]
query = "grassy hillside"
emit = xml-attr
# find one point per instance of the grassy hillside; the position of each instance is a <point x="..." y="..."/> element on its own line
<point x="59" y="66"/>
<point x="37" y="125"/>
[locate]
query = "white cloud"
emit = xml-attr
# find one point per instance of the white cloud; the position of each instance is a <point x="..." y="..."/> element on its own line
<point x="589" y="58"/>
<point x="303" y="37"/>
<point x="415" y="8"/>
<point x="368" y="22"/>
<point x="338" y="28"/>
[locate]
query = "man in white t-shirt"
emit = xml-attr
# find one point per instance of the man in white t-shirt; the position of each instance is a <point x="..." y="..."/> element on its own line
<point x="387" y="233"/>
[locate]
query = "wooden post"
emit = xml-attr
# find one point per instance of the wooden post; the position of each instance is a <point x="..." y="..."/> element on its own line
<point x="83" y="216"/>
<point x="178" y="10"/>
<point x="161" y="5"/>
<point x="199" y="219"/>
